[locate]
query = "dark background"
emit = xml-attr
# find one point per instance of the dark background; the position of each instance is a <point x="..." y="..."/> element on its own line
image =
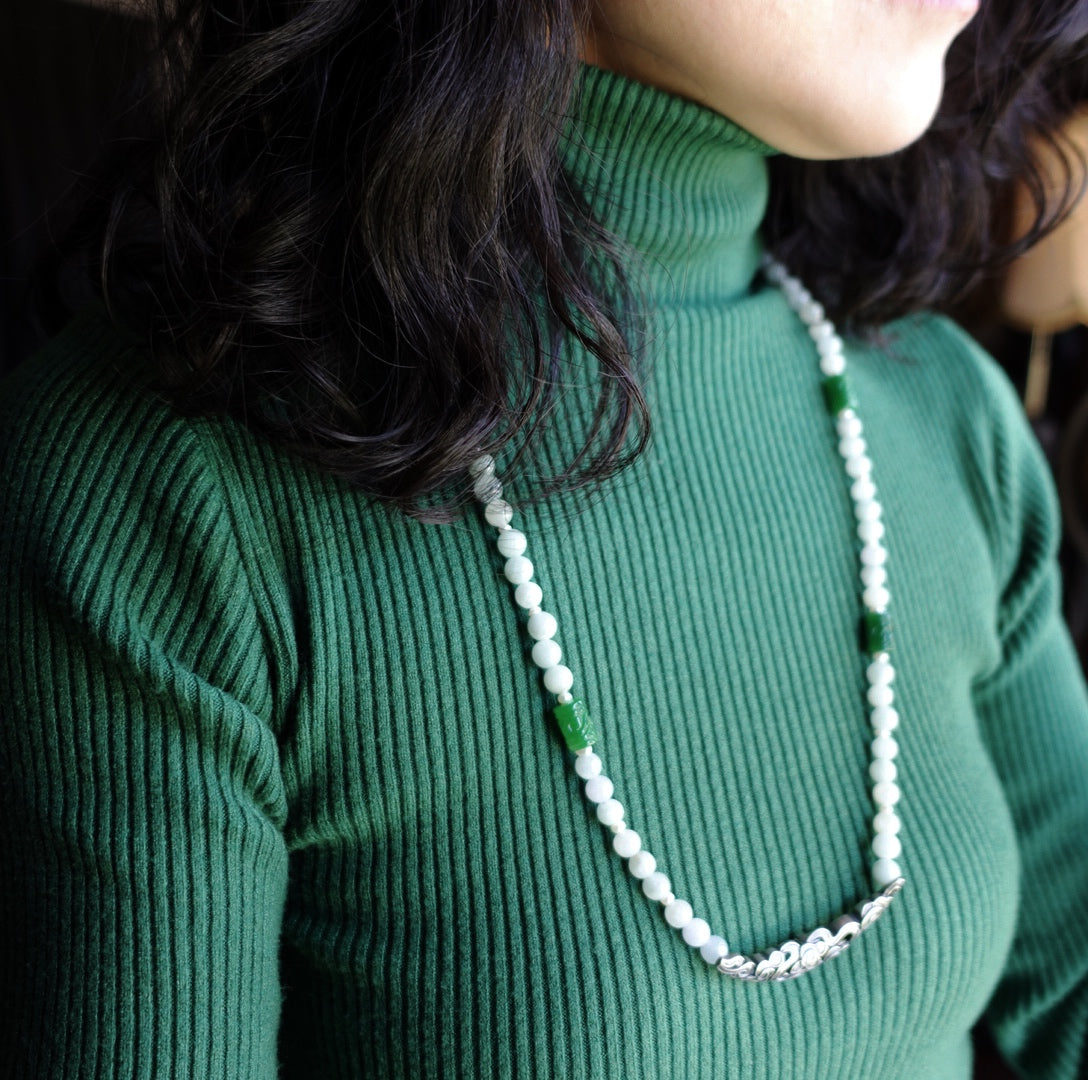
<point x="63" y="70"/>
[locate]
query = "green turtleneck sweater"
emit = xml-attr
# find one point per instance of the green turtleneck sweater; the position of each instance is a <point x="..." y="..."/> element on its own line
<point x="279" y="792"/>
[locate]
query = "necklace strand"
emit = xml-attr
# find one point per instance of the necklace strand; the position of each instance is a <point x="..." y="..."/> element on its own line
<point x="794" y="957"/>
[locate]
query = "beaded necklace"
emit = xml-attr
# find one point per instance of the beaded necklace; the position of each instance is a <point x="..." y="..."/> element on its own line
<point x="794" y="957"/>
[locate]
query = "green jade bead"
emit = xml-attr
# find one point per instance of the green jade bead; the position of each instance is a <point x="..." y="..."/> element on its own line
<point x="579" y="731"/>
<point x="838" y="394"/>
<point x="876" y="632"/>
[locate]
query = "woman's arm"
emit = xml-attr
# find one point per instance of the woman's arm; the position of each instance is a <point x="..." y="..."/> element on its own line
<point x="1034" y="719"/>
<point x="143" y="867"/>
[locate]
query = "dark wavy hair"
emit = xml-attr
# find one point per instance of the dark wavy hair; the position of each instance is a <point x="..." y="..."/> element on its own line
<point x="347" y="224"/>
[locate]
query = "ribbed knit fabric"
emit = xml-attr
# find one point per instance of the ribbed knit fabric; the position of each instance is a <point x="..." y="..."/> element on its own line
<point x="280" y="795"/>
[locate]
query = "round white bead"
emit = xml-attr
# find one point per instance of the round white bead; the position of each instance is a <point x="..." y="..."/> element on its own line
<point x="832" y="362"/>
<point x="696" y="933"/>
<point x="880" y="695"/>
<point x="518" y="570"/>
<point x="498" y="513"/>
<point x="484" y="463"/>
<point x="546" y="653"/>
<point x="528" y="595"/>
<point x="598" y="789"/>
<point x="870" y="531"/>
<point x="885" y="871"/>
<point x="886" y="793"/>
<point x="588" y="765"/>
<point x="880" y="671"/>
<point x="852" y="448"/>
<point x="848" y="426"/>
<point x="887" y="846"/>
<point x="873" y="575"/>
<point x="541" y="626"/>
<point x="627" y="844"/>
<point x="887" y="821"/>
<point x="812" y="312"/>
<point x="884" y="748"/>
<point x="565" y="698"/>
<point x="867" y="510"/>
<point x="821" y="331"/>
<point x="642" y="864"/>
<point x="487" y="487"/>
<point x="875" y="597"/>
<point x="884" y="718"/>
<point x="610" y="812"/>
<point x="881" y="770"/>
<point x="558" y="679"/>
<point x="857" y="467"/>
<point x="863" y="489"/>
<point x="656" y="886"/>
<point x="873" y="555"/>
<point x="714" y="949"/>
<point x="511" y="543"/>
<point x="678" y="914"/>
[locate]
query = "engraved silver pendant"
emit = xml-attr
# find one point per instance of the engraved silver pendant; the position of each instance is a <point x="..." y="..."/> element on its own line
<point x="794" y="958"/>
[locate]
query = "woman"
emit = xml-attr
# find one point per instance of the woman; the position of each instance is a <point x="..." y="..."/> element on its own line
<point x="285" y="791"/>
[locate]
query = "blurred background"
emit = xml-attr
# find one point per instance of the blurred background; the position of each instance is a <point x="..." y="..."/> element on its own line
<point x="64" y="65"/>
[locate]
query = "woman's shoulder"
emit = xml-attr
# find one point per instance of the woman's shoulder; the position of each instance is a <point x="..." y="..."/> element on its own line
<point x="116" y="505"/>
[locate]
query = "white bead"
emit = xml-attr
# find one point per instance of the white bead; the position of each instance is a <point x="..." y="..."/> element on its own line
<point x="821" y="331"/>
<point x="873" y="555"/>
<point x="696" y="933"/>
<point x="498" y="513"/>
<point x="848" y="426"/>
<point x="812" y="312"/>
<point x="656" y="886"/>
<point x="887" y="821"/>
<point x="884" y="747"/>
<point x="829" y="346"/>
<point x="857" y="467"/>
<point x="528" y="595"/>
<point x="518" y="570"/>
<point x="887" y="846"/>
<point x="869" y="532"/>
<point x="487" y="487"/>
<point x="880" y="695"/>
<point x="558" y="679"/>
<point x="484" y="463"/>
<point x="880" y="671"/>
<point x="610" y="812"/>
<point x="867" y="510"/>
<point x="542" y="625"/>
<point x="885" y="871"/>
<point x="546" y="653"/>
<point x="882" y="770"/>
<point x="565" y="698"/>
<point x="852" y="448"/>
<point x="862" y="490"/>
<point x="714" y="949"/>
<point x="884" y="718"/>
<point x="886" y="793"/>
<point x="873" y="575"/>
<point x="627" y="844"/>
<point x="678" y="914"/>
<point x="642" y="864"/>
<point x="832" y="363"/>
<point x="588" y="765"/>
<point x="598" y="789"/>
<point x="511" y="543"/>
<point x="875" y="597"/>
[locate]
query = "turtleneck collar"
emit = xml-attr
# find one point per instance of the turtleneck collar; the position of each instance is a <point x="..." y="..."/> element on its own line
<point x="678" y="184"/>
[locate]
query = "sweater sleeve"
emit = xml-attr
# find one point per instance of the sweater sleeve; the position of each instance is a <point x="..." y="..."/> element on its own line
<point x="143" y="863"/>
<point x="1034" y="717"/>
